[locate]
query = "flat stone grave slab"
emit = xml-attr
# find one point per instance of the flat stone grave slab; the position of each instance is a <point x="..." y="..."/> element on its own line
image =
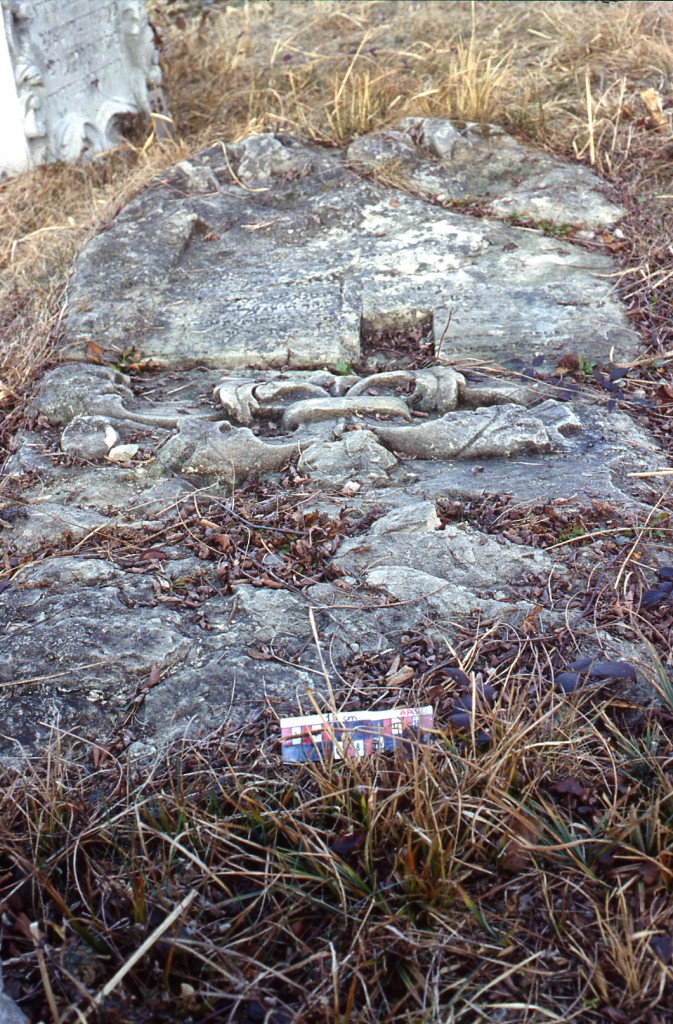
<point x="271" y="252"/>
<point x="273" y="486"/>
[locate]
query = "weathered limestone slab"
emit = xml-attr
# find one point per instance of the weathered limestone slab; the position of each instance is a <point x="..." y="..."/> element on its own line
<point x="276" y="260"/>
<point x="505" y="430"/>
<point x="410" y="538"/>
<point x="223" y="452"/>
<point x="69" y="71"/>
<point x="290" y="257"/>
<point x="524" y="436"/>
<point x="86" y="632"/>
<point x="50" y="524"/>
<point x="467" y="161"/>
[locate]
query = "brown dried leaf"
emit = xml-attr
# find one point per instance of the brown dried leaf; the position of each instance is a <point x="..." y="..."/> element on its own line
<point x="530" y="623"/>
<point x="94" y="352"/>
<point x="99" y="755"/>
<point x="259" y="655"/>
<point x="403" y="675"/>
<point x="568" y="785"/>
<point x="569" y="362"/>
<point x="154" y="555"/>
<point x="655" y="110"/>
<point x="349" y="843"/>
<point x="397" y="661"/>
<point x="266" y="581"/>
<point x="649" y="872"/>
<point x="22" y="925"/>
<point x="516" y="856"/>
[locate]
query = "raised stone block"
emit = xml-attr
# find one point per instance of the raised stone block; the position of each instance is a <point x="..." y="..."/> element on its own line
<point x="70" y="70"/>
<point x="272" y="252"/>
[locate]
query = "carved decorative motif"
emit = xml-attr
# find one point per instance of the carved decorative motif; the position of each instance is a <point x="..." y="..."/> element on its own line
<point x="74" y="136"/>
<point x="142" y="53"/>
<point x="27" y="75"/>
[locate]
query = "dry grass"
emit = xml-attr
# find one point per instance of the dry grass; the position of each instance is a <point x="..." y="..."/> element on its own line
<point x="524" y="882"/>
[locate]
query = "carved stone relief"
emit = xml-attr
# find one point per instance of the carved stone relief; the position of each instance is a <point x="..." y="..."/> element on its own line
<point x="142" y="54"/>
<point x="377" y="430"/>
<point x="74" y="69"/>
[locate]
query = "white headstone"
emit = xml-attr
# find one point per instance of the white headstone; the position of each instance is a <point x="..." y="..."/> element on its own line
<point x="69" y="71"/>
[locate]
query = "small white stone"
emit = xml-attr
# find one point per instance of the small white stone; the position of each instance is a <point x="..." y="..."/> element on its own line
<point x="123" y="452"/>
<point x="139" y="749"/>
<point x="351" y="487"/>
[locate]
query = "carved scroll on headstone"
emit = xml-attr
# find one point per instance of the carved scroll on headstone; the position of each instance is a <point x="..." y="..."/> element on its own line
<point x="70" y="70"/>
